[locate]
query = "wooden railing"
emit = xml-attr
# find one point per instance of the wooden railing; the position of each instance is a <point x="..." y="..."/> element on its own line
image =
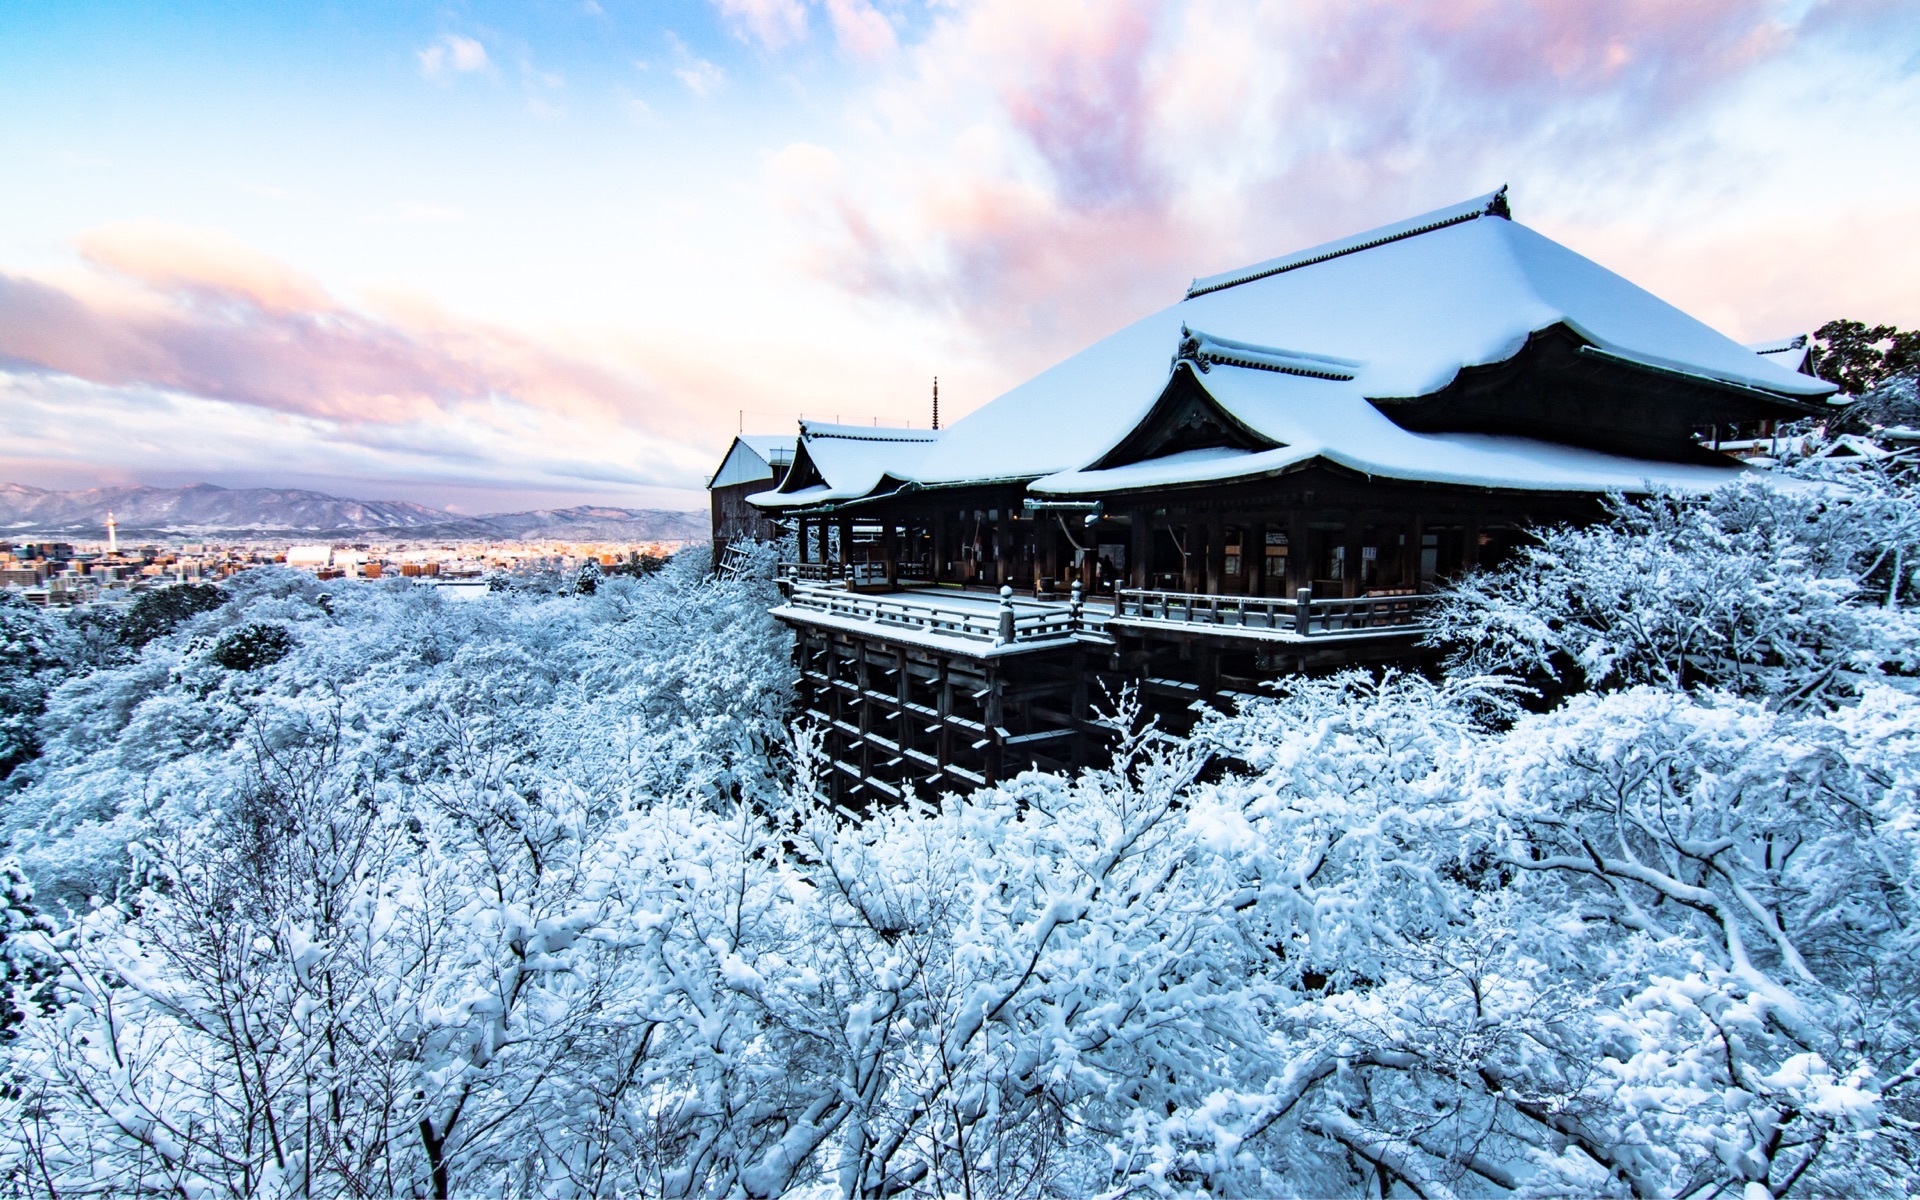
<point x="1303" y="614"/>
<point x="860" y="574"/>
<point x="820" y="587"/>
<point x="808" y="571"/>
<point x="998" y="627"/>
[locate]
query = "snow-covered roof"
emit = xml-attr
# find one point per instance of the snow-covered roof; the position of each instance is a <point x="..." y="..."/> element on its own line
<point x="775" y="448"/>
<point x="845" y="462"/>
<point x="1794" y="353"/>
<point x="752" y="457"/>
<point x="1313" y="418"/>
<point x="1304" y="341"/>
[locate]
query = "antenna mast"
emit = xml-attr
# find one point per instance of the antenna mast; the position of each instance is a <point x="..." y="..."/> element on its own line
<point x="936" y="402"/>
<point x="113" y="535"/>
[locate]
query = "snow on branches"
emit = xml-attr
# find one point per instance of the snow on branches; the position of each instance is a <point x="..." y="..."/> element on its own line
<point x="535" y="896"/>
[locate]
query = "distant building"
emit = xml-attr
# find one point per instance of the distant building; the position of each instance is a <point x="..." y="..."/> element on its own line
<point x="754" y="463"/>
<point x="1794" y="353"/>
<point x="309" y="558"/>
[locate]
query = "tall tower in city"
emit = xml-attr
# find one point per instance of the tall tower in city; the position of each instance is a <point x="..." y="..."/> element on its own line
<point x="113" y="535"/>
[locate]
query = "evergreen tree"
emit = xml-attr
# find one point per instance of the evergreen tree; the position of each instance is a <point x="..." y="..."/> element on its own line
<point x="1858" y="357"/>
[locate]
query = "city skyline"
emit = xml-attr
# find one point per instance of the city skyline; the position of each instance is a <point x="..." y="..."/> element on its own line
<point x="485" y="257"/>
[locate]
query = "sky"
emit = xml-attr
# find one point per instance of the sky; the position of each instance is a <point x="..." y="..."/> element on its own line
<point x="503" y="256"/>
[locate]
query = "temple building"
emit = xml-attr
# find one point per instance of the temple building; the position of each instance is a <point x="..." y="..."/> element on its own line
<point x="753" y="463"/>
<point x="1270" y="476"/>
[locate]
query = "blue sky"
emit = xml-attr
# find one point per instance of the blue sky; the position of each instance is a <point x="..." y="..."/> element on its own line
<point x="500" y="255"/>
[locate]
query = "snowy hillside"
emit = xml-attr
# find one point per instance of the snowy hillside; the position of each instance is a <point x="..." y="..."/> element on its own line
<point x="202" y="508"/>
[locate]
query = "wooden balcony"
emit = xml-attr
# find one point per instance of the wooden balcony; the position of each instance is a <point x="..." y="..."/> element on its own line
<point x="978" y="623"/>
<point x="1273" y="618"/>
<point x="971" y="623"/>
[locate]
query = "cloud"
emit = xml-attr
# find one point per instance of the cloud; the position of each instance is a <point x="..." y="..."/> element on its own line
<point x="202" y="262"/>
<point x="196" y="312"/>
<point x="452" y="54"/>
<point x="1042" y="173"/>
<point x="701" y="77"/>
<point x="772" y="23"/>
<point x="861" y="30"/>
<point x="183" y="350"/>
<point x="59" y="431"/>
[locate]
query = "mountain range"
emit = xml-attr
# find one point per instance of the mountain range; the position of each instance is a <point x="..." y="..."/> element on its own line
<point x="203" y="509"/>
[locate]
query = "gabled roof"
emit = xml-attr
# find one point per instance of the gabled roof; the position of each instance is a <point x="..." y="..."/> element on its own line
<point x="1794" y="353"/>
<point x="845" y="462"/>
<point x="752" y="457"/>
<point x="1305" y="343"/>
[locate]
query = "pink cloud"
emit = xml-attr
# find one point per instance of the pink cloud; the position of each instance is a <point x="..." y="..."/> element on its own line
<point x="199" y="313"/>
<point x="861" y="29"/>
<point x="1044" y="173"/>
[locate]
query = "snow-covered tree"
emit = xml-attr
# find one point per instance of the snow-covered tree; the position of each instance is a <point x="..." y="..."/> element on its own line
<point x="536" y="895"/>
<point x="1757" y="589"/>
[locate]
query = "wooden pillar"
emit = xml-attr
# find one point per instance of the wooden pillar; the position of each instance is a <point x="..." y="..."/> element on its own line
<point x="863" y="679"/>
<point x="846" y="541"/>
<point x="1216" y="554"/>
<point x="1001" y="549"/>
<point x="820" y="533"/>
<point x="890" y="547"/>
<point x="1416" y="549"/>
<point x="943" y="707"/>
<point x="836" y="746"/>
<point x="1299" y="562"/>
<point x="1352" y="581"/>
<point x="1047" y="530"/>
<point x="903" y="729"/>
<point x="1193" y="539"/>
<point x="1253" y="557"/>
<point x="939" y="547"/>
<point x="1141" y="551"/>
<point x="803" y="538"/>
<point x="996" y="710"/>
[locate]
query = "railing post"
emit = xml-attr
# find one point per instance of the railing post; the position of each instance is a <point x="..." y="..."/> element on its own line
<point x="1073" y="607"/>
<point x="1006" y="615"/>
<point x="1302" y="605"/>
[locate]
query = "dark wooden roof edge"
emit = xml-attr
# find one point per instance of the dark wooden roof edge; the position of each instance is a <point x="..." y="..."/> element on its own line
<point x="1794" y="404"/>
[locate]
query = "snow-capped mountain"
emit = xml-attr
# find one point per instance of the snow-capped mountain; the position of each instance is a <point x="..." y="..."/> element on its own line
<point x="202" y="508"/>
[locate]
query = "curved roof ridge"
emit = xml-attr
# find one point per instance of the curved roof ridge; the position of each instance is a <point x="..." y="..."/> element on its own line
<point x="866" y="433"/>
<point x="1493" y="204"/>
<point x="1205" y="350"/>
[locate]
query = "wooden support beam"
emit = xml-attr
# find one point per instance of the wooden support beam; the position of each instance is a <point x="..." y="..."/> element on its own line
<point x="1140" y="554"/>
<point x="904" y="682"/>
